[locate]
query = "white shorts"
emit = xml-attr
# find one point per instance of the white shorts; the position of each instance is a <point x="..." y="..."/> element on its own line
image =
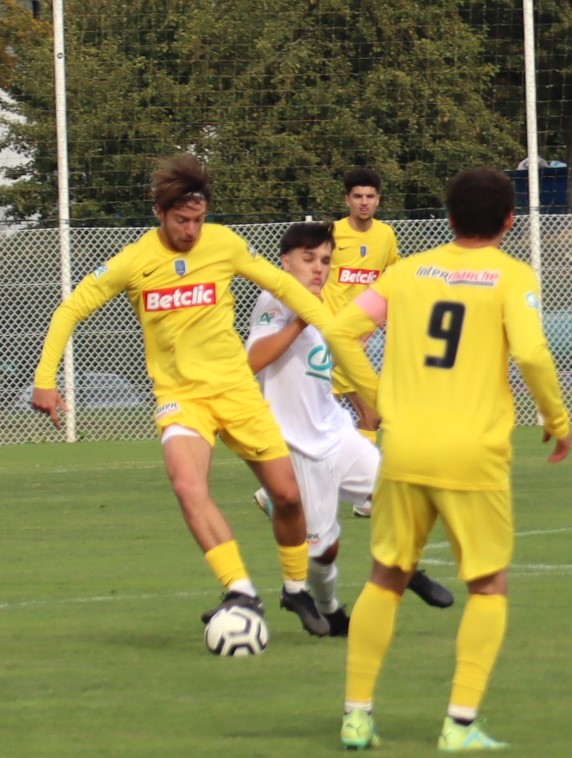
<point x="349" y="473"/>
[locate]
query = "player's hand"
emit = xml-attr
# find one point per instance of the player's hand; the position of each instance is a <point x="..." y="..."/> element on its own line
<point x="561" y="448"/>
<point x="49" y="402"/>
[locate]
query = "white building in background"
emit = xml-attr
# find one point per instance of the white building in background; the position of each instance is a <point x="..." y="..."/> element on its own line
<point x="8" y="158"/>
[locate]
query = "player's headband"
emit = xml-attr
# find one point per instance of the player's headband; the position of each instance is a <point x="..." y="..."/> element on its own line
<point x="191" y="197"/>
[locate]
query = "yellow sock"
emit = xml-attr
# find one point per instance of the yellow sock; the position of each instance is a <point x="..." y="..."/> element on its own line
<point x="371" y="631"/>
<point x="369" y="435"/>
<point x="226" y="564"/>
<point x="294" y="562"/>
<point x="480" y="636"/>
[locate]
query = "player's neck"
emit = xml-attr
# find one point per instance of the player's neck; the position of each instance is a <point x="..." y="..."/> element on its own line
<point x="360" y="225"/>
<point x="473" y="243"/>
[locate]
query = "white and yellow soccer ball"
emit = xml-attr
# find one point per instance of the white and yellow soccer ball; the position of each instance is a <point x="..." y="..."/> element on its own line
<point x="236" y="631"/>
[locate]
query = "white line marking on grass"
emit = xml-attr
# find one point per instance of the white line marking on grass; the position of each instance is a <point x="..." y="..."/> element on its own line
<point x="97" y="599"/>
<point x="516" y="570"/>
<point x="538" y="567"/>
<point x="528" y="533"/>
<point x="74" y="468"/>
<point x="536" y="532"/>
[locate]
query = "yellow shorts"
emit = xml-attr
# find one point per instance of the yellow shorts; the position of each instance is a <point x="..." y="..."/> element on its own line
<point x="479" y="525"/>
<point x="241" y="418"/>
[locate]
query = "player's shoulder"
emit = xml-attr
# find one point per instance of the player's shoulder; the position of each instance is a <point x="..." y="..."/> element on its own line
<point x="267" y="300"/>
<point x="147" y="241"/>
<point x="382" y="227"/>
<point x="135" y="255"/>
<point x="211" y="230"/>
<point x="342" y="224"/>
<point x="267" y="311"/>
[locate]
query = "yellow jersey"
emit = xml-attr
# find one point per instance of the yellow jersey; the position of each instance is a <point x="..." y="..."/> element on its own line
<point x="454" y="315"/>
<point x="185" y="306"/>
<point x="357" y="261"/>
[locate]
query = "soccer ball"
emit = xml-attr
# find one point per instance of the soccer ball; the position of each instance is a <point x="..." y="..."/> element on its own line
<point x="236" y="630"/>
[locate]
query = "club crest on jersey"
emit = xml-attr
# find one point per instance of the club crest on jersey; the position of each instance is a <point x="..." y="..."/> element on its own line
<point x="180" y="267"/>
<point x="363" y="250"/>
<point x="532" y="300"/>
<point x="100" y="271"/>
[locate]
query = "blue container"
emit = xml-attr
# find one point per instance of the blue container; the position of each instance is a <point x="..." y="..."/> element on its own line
<point x="553" y="183"/>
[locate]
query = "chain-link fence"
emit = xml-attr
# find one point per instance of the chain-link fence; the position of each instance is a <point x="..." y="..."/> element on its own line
<point x="113" y="395"/>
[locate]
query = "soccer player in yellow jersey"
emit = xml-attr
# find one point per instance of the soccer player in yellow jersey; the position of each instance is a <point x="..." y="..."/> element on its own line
<point x="454" y="316"/>
<point x="364" y="248"/>
<point x="178" y="279"/>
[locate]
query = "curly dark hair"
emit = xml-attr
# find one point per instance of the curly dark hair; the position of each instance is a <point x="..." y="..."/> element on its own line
<point x="361" y="177"/>
<point x="478" y="201"/>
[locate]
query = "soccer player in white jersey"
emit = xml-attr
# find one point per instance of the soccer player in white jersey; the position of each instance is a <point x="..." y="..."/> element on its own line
<point x="447" y="417"/>
<point x="331" y="458"/>
<point x="365" y="247"/>
<point x="178" y="280"/>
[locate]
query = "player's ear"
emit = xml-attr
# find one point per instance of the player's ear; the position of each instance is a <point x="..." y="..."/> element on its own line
<point x="509" y="222"/>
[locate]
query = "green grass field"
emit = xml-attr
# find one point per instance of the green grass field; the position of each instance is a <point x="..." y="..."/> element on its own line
<point x="101" y="644"/>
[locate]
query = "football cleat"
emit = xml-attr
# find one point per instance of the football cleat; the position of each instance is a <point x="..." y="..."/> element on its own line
<point x="456" y="738"/>
<point x="362" y="511"/>
<point x="302" y="603"/>
<point x="234" y="598"/>
<point x="358" y="731"/>
<point x="262" y="500"/>
<point x="339" y="622"/>
<point x="430" y="591"/>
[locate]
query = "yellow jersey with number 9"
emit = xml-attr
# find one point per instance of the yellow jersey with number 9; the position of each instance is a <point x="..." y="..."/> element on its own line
<point x="453" y="316"/>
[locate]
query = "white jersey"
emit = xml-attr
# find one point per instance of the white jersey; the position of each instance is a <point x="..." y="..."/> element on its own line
<point x="298" y="385"/>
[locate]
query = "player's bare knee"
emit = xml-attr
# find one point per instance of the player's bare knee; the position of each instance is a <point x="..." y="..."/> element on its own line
<point x="287" y="500"/>
<point x="189" y="495"/>
<point x="493" y="584"/>
<point x="329" y="555"/>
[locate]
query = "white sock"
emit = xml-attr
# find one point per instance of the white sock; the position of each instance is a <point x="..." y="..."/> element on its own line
<point x="243" y="585"/>
<point x="323" y="581"/>
<point x="293" y="586"/>
<point x="462" y="712"/>
<point x="354" y="705"/>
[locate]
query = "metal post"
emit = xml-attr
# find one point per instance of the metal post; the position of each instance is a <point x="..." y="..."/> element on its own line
<point x="63" y="203"/>
<point x="532" y="142"/>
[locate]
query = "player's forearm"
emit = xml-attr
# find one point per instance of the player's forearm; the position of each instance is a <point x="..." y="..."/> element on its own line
<point x="286" y="288"/>
<point x="300" y="300"/>
<point x="61" y="328"/>
<point x="267" y="350"/>
<point x="540" y="375"/>
<point x="343" y="334"/>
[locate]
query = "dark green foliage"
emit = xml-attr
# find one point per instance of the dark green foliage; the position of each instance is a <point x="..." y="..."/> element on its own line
<point x="280" y="96"/>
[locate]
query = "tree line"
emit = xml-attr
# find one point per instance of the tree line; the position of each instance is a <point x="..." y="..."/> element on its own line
<point x="279" y="96"/>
